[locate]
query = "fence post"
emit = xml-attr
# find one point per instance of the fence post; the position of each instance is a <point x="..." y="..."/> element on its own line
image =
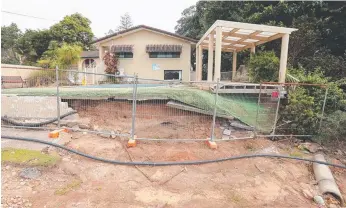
<point x="134" y="102"/>
<point x="57" y="94"/>
<point x="258" y="103"/>
<point x="324" y="105"/>
<point x="214" y="114"/>
<point x="277" y="111"/>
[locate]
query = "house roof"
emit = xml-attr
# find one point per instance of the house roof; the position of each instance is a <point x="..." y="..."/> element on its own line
<point x="148" y="28"/>
<point x="89" y="54"/>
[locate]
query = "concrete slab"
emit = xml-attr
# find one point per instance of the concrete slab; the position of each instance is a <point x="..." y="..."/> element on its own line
<point x="31" y="106"/>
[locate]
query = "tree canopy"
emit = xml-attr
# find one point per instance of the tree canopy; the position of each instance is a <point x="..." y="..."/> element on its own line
<point x="28" y="47"/>
<point x="73" y="29"/>
<point x="319" y="43"/>
<point x="125" y="23"/>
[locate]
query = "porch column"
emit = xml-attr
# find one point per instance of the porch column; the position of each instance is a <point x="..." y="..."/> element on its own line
<point x="218" y="43"/>
<point x="234" y="65"/>
<point x="196" y="77"/>
<point x="210" y="57"/>
<point x="283" y="58"/>
<point x="199" y="63"/>
<point x="101" y="53"/>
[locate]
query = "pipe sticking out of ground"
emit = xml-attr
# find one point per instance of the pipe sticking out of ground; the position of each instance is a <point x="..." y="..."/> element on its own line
<point x="325" y="179"/>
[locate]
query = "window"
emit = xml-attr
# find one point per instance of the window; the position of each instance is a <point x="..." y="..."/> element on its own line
<point x="124" y="54"/>
<point x="89" y="63"/>
<point x="172" y="74"/>
<point x="164" y="54"/>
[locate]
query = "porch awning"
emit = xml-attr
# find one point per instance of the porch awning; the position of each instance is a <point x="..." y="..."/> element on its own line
<point x="163" y="48"/>
<point x="121" y="48"/>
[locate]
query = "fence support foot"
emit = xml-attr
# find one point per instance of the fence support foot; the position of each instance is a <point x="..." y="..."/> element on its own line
<point x="211" y="144"/>
<point x="55" y="133"/>
<point x="131" y="143"/>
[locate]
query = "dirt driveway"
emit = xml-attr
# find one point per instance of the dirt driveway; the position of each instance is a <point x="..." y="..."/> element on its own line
<point x="80" y="182"/>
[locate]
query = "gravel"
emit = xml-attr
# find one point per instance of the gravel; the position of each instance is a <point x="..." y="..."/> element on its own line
<point x="30" y="173"/>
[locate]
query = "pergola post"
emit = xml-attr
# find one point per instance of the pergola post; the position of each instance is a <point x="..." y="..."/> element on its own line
<point x="234" y="65"/>
<point x="210" y="57"/>
<point x="218" y="43"/>
<point x="253" y="49"/>
<point x="199" y="66"/>
<point x="283" y="58"/>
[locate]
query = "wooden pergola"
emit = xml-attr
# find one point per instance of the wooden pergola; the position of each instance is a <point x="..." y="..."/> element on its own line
<point x="233" y="37"/>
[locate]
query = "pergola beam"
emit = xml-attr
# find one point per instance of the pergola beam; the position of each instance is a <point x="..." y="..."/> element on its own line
<point x="247" y="36"/>
<point x="223" y="48"/>
<point x="271" y="38"/>
<point x="231" y="41"/>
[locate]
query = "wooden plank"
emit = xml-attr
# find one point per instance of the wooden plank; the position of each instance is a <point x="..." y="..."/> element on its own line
<point x="247" y="36"/>
<point x="271" y="38"/>
<point x="248" y="26"/>
<point x="184" y="107"/>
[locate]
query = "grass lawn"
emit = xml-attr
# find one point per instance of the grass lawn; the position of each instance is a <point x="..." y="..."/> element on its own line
<point x="241" y="107"/>
<point x="28" y="157"/>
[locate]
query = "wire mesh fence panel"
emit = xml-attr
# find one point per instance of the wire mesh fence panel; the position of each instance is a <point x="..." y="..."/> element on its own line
<point x="172" y="109"/>
<point x="301" y="109"/>
<point x="103" y="103"/>
<point x="267" y="108"/>
<point x="29" y="98"/>
<point x="237" y="109"/>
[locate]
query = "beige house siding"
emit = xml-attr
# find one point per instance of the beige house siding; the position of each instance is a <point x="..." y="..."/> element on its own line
<point x="141" y="64"/>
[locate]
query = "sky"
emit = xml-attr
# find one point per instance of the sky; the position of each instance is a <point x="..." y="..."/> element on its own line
<point x="103" y="14"/>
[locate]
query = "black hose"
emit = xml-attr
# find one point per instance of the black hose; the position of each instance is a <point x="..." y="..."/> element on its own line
<point x="196" y="162"/>
<point x="4" y="118"/>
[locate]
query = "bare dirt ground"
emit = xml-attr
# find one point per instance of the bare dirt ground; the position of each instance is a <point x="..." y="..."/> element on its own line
<point x="153" y="120"/>
<point x="79" y="182"/>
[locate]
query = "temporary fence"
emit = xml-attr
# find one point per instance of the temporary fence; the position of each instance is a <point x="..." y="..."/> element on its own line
<point x="296" y="113"/>
<point x="149" y="109"/>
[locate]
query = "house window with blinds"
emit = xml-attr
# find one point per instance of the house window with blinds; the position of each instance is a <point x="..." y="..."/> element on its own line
<point x="164" y="51"/>
<point x="122" y="51"/>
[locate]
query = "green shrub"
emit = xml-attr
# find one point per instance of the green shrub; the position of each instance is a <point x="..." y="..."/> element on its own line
<point x="304" y="107"/>
<point x="334" y="127"/>
<point x="112" y="80"/>
<point x="264" y="67"/>
<point x="301" y="112"/>
<point x="41" y="78"/>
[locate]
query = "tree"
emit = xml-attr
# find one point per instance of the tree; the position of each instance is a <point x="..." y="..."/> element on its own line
<point x="264" y="67"/>
<point x="73" y="29"/>
<point x="110" y="32"/>
<point x="9" y="37"/>
<point x="321" y="28"/>
<point x="68" y="55"/>
<point x="125" y="22"/>
<point x="64" y="56"/>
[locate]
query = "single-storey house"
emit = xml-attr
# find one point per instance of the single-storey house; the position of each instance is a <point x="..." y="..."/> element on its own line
<point x="149" y="52"/>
